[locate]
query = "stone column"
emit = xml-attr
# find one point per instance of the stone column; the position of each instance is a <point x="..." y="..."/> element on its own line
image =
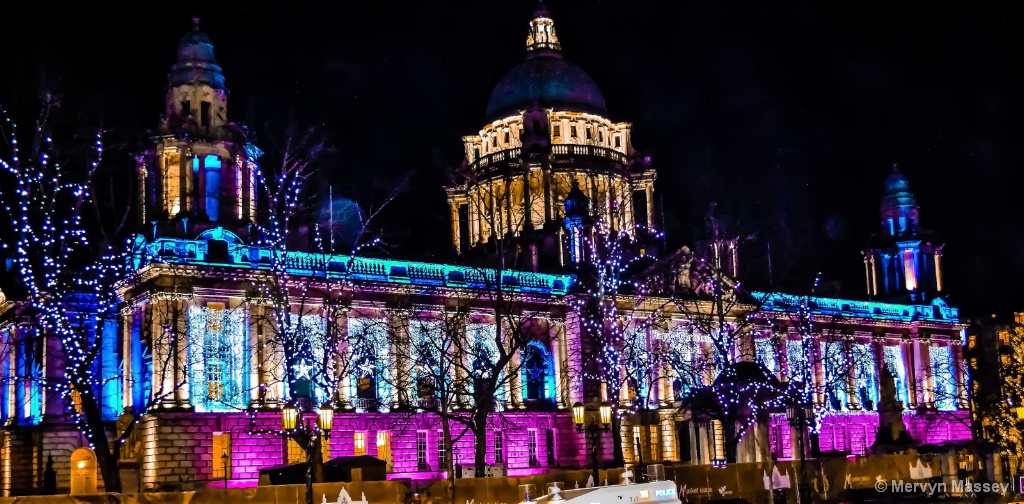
<point x="818" y="371"/>
<point x="574" y="361"/>
<point x="127" y="322"/>
<point x="399" y="369"/>
<point x="343" y="360"/>
<point x="257" y="359"/>
<point x="556" y="333"/>
<point x="181" y="343"/>
<point x="878" y="351"/>
<point x="649" y="190"/>
<point x="910" y="364"/>
<point x="514" y="400"/>
<point x="926" y="382"/>
<point x="456" y="235"/>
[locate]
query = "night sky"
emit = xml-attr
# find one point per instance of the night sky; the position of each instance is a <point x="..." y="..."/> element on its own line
<point x="788" y="117"/>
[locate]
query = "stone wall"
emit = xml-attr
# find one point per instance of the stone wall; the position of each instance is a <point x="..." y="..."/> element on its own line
<point x="178" y="447"/>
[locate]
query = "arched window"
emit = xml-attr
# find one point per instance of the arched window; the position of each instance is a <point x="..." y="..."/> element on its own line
<point x="538" y="375"/>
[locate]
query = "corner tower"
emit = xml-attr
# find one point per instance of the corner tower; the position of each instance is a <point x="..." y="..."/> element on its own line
<point x="547" y="130"/>
<point x="201" y="172"/>
<point x="903" y="262"/>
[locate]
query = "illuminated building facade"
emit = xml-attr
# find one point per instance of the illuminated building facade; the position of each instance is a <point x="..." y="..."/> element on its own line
<point x="193" y="350"/>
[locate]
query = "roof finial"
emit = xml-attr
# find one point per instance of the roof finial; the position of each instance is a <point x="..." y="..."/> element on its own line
<point x="195" y="23"/>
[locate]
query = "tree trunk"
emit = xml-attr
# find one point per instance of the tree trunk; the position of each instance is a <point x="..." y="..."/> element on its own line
<point x="732" y="441"/>
<point x="617" y="457"/>
<point x="97" y="435"/>
<point x="449" y="461"/>
<point x="480" y="441"/>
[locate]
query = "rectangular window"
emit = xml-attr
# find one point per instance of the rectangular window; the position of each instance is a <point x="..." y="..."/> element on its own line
<point x="618" y="142"/>
<point x="549" y="440"/>
<point x="588" y="133"/>
<point x="421" y="451"/>
<point x="186" y="108"/>
<point x="531" y="447"/>
<point x="221" y="455"/>
<point x="600" y="136"/>
<point x="556" y="131"/>
<point x="944" y="376"/>
<point x="359" y="443"/>
<point x="494" y="141"/>
<point x="654" y="441"/>
<point x="384" y="448"/>
<point x="717" y="442"/>
<point x="572" y="131"/>
<point x="213" y="353"/>
<point x="204" y="114"/>
<point x="442" y="453"/>
<point x="295" y="452"/>
<point x="638" y="445"/>
<point x="499" y="449"/>
<point x="507" y="137"/>
<point x="325" y="449"/>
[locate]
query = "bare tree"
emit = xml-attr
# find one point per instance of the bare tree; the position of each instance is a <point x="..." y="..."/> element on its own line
<point x="300" y="301"/>
<point x="70" y="266"/>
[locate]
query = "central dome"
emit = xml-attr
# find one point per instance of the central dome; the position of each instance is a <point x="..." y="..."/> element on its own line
<point x="545" y="78"/>
<point x="548" y="81"/>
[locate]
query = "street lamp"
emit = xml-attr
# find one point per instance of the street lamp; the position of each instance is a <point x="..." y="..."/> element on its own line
<point x="799" y="414"/>
<point x="224" y="459"/>
<point x="593" y="429"/>
<point x="309" y="437"/>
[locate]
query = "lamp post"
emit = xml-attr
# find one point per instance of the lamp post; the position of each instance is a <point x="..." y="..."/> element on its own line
<point x="309" y="436"/>
<point x="224" y="459"/>
<point x="593" y="428"/>
<point x="799" y="414"/>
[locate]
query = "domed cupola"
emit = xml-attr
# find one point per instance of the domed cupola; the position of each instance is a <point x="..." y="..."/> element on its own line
<point x="545" y="78"/>
<point x="196" y="63"/>
<point x="899" y="208"/>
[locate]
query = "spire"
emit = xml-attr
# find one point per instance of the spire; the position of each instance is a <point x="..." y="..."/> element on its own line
<point x="542" y="38"/>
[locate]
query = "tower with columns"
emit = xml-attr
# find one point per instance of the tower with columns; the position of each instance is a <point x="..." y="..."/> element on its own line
<point x="200" y="172"/>
<point x="903" y="262"/>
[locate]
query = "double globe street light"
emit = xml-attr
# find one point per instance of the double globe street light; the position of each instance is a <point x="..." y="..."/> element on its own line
<point x="593" y="428"/>
<point x="309" y="438"/>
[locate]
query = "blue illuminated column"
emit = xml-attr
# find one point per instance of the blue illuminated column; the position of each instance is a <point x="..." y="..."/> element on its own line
<point x="212" y="179"/>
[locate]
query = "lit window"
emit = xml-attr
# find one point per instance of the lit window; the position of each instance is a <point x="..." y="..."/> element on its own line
<point x="499" y="449"/>
<point x="531" y="448"/>
<point x="384" y="448"/>
<point x="421" y="451"/>
<point x="556" y="131"/>
<point x="717" y="443"/>
<point x="572" y="131"/>
<point x="442" y="453"/>
<point x="295" y="452"/>
<point x="221" y="455"/>
<point x="325" y="449"/>
<point x="359" y="442"/>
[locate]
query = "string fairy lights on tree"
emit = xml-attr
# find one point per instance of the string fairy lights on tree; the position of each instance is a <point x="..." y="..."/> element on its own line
<point x="69" y="277"/>
<point x="616" y="313"/>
